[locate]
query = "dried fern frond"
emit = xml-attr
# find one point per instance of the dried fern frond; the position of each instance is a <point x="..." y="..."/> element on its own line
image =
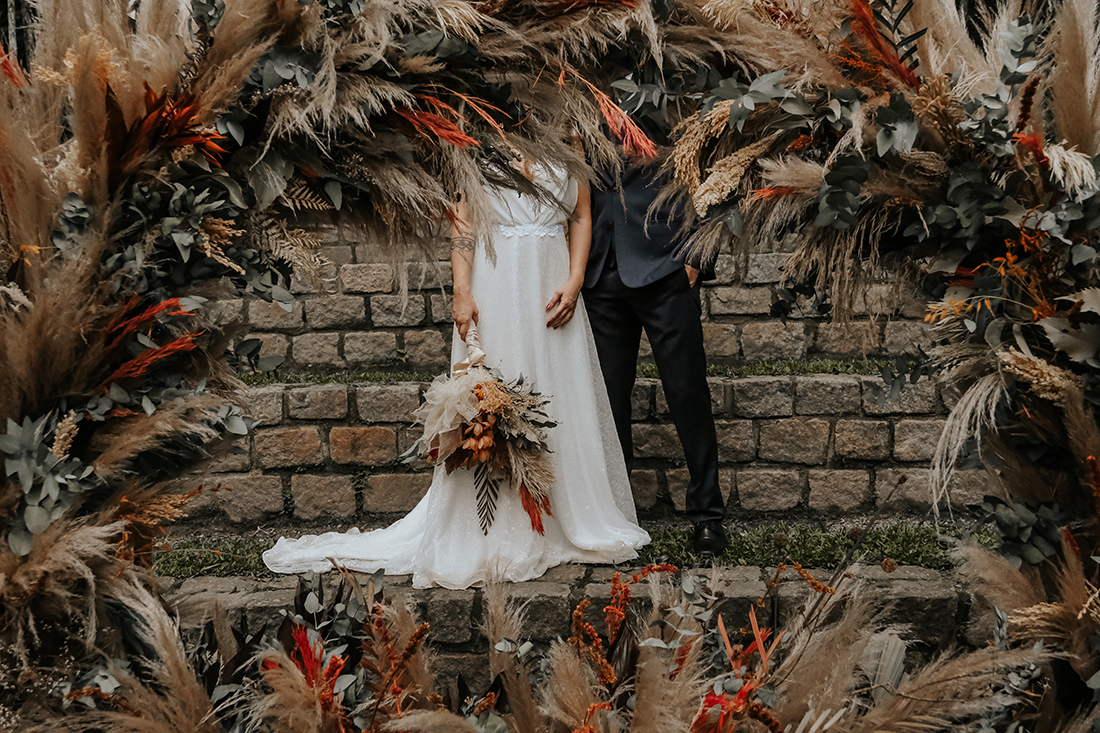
<point x="296" y="247"/>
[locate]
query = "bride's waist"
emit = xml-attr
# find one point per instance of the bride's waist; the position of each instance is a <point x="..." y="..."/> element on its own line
<point x="528" y="230"/>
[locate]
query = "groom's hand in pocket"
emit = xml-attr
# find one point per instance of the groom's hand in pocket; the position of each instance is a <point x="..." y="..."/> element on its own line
<point x="564" y="304"/>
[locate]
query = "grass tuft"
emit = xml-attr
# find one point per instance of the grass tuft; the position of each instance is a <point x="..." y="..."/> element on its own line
<point x="212" y="557"/>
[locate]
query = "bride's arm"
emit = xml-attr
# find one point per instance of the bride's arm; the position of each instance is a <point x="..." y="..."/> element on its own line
<point x="564" y="303"/>
<point x="463" y="244"/>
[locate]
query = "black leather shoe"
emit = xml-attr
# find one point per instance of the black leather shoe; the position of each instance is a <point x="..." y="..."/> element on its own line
<point x="710" y="539"/>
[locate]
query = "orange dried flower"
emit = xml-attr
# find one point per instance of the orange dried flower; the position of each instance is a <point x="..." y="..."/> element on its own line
<point x="814" y="583"/>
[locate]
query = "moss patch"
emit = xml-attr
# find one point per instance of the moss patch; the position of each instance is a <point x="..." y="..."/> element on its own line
<point x="759" y="546"/>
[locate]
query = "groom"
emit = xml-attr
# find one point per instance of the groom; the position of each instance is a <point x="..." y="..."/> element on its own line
<point x="634" y="280"/>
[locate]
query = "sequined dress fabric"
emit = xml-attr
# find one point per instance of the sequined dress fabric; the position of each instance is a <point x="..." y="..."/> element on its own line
<point x="594" y="521"/>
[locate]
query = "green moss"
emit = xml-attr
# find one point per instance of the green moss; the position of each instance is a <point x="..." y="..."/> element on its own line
<point x="266" y="378"/>
<point x="819" y="547"/>
<point x="813" y="546"/>
<point x="212" y="557"/>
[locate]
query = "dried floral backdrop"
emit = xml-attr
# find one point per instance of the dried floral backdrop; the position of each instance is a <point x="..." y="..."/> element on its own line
<point x="149" y="146"/>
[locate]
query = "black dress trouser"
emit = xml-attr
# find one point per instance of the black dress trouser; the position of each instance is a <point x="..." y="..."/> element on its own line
<point x="669" y="311"/>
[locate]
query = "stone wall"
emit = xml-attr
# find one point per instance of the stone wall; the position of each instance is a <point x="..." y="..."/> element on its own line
<point x="357" y="318"/>
<point x="804" y="446"/>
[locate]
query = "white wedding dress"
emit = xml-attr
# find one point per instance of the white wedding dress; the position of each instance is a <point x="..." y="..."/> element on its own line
<point x="594" y="521"/>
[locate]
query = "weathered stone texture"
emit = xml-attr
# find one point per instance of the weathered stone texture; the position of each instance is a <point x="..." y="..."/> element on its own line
<point x="240" y="497"/>
<point x="393" y="310"/>
<point x="317" y="349"/>
<point x="335" y="311"/>
<point x="915" y="440"/>
<point x="271" y="316"/>
<point x="740" y="301"/>
<point x="765" y="340"/>
<point x="765" y="268"/>
<point x="915" y="399"/>
<point x="854" y="338"/>
<point x="449" y="614"/>
<point x="318" y="402"/>
<point x="387" y="402"/>
<point x="863" y="439"/>
<point x="656" y="441"/>
<point x="643" y="484"/>
<point x="763" y="397"/>
<point x="286" y="447"/>
<point x="426" y="348"/>
<point x="371" y="348"/>
<point x="904" y="489"/>
<point x="322" y="497"/>
<point x="907" y="337"/>
<point x="721" y="340"/>
<point x="838" y="490"/>
<point x="796" y="440"/>
<point x="736" y="441"/>
<point x="769" y="489"/>
<point x="264" y="404"/>
<point x="366" y="278"/>
<point x="367" y="446"/>
<point x="395" y="492"/>
<point x="827" y="395"/>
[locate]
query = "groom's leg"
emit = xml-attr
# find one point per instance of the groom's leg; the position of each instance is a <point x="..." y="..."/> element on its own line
<point x="670" y="312"/>
<point x="617" y="333"/>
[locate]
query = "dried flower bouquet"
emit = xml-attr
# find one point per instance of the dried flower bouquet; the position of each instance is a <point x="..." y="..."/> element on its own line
<point x="476" y="420"/>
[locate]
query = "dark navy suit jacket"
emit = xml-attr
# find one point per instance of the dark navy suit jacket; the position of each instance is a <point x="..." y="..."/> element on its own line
<point x="644" y="251"/>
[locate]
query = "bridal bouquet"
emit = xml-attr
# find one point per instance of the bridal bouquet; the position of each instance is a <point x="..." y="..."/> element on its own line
<point x="476" y="420"/>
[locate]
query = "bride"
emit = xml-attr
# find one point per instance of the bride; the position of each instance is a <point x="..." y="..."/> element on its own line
<point x="525" y="305"/>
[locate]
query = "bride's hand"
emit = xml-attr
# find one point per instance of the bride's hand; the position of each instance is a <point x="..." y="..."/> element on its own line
<point x="464" y="313"/>
<point x="564" y="303"/>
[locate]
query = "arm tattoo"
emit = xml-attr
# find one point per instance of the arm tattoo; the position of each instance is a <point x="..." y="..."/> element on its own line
<point x="464" y="245"/>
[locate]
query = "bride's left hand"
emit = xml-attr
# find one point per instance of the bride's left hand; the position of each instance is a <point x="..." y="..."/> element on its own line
<point x="564" y="304"/>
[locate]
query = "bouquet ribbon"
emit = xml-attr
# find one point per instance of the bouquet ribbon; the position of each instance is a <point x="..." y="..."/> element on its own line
<point x="474" y="354"/>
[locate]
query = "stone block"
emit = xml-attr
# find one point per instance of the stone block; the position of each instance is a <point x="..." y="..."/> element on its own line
<point x="240" y="497"/>
<point x="549" y="612"/>
<point x="877" y="300"/>
<point x="765" y="268"/>
<point x="387" y="402"/>
<point x="656" y="441"/>
<point x="441" y="306"/>
<point x="767" y="340"/>
<point x="916" y="440"/>
<point x="366" y="278"/>
<point x="852" y="338"/>
<point x="223" y="311"/>
<point x="719" y="395"/>
<point x="867" y="440"/>
<point x="395" y="492"/>
<point x="904" y="489"/>
<point x="677" y="480"/>
<point x="335" y="311"/>
<point x="272" y="344"/>
<point x="827" y="394"/>
<point x="449" y="613"/>
<point x="266" y="316"/>
<point x="969" y="487"/>
<point x="325" y="281"/>
<point x="318" y="402"/>
<point x="236" y="459"/>
<point x="927" y="608"/>
<point x="395" y="310"/>
<point x="322" y="497"/>
<point x="427" y="348"/>
<point x="285" y="447"/>
<point x="338" y="254"/>
<point x="370" y="348"/>
<point x="264" y="404"/>
<point x="915" y="399"/>
<point x="907" y="337"/>
<point x="641" y="399"/>
<point x="838" y="490"/>
<point x="644" y="347"/>
<point x="366" y="446"/>
<point x="726" y="270"/>
<point x="474" y="668"/>
<point x="427" y="275"/>
<point x="736" y="441"/>
<point x="738" y="589"/>
<point x="721" y="340"/>
<point x="317" y="349"/>
<point x="797" y="440"/>
<point x="763" y="397"/>
<point x="737" y="300"/>
<point x="643" y="484"/>
<point x="769" y="489"/>
<point x="950" y="394"/>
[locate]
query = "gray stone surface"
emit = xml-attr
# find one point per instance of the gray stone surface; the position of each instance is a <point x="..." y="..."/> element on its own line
<point x="264" y="404"/>
<point x="372" y="445"/>
<point x="322" y="497"/>
<point x="394" y="310"/>
<point x="863" y="439"/>
<point x="449" y="614"/>
<point x="904" y="489"/>
<point x="656" y="441"/>
<point x="916" y="440"/>
<point x="829" y="394"/>
<point x="387" y="402"/>
<point x="271" y="316"/>
<point x="769" y="489"/>
<point x="855" y="338"/>
<point x="835" y="491"/>
<point x="548" y="609"/>
<point x="370" y="348"/>
<point x="736" y="441"/>
<point x="395" y="492"/>
<point x="643" y="484"/>
<point x="765" y="268"/>
<point x="795" y="440"/>
<point x="766" y="340"/>
<point x="763" y="397"/>
<point x="317" y="349"/>
<point x="318" y="402"/>
<point x="915" y="399"/>
<point x="285" y="447"/>
<point x="335" y="311"/>
<point x="426" y="348"/>
<point x="239" y="497"/>
<point x="740" y="301"/>
<point x="907" y="337"/>
<point x="366" y="278"/>
<point x="721" y="340"/>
